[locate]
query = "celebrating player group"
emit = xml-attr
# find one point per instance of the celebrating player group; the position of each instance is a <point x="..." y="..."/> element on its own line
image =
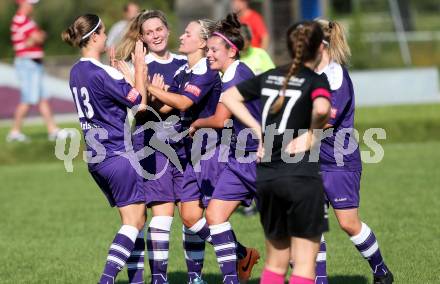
<point x="213" y="136"/>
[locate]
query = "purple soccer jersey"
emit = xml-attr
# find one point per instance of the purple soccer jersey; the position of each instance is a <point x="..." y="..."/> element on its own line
<point x="102" y="96"/>
<point x="203" y="86"/>
<point x="237" y="181"/>
<point x="341" y="183"/>
<point x="167" y="68"/>
<point x="342" y="117"/>
<point x="236" y="73"/>
<point x="168" y="177"/>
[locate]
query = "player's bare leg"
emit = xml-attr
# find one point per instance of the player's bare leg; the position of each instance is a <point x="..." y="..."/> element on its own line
<point x="277" y="261"/>
<point x="304" y="252"/>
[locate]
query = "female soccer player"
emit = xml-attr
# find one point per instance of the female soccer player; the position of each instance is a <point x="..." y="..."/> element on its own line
<point x="162" y="193"/>
<point x="102" y="96"/>
<point x="195" y="92"/>
<point x="289" y="188"/>
<point x="342" y="183"/>
<point x="236" y="184"/>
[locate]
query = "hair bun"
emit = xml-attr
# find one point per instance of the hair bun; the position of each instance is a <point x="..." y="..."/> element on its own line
<point x="230" y="22"/>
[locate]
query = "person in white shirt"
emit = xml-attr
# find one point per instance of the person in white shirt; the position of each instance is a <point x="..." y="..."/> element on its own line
<point x="117" y="31"/>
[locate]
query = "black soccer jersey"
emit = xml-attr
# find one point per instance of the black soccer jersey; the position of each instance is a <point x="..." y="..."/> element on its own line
<point x="295" y="115"/>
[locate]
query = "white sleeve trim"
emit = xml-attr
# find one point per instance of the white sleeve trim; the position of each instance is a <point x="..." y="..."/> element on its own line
<point x="200" y="67"/>
<point x="112" y="72"/>
<point x="335" y="75"/>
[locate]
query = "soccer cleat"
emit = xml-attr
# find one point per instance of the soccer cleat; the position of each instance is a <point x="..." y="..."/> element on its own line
<point x="246" y="264"/>
<point x="198" y="280"/>
<point x="386" y="279"/>
<point x="16" y="137"/>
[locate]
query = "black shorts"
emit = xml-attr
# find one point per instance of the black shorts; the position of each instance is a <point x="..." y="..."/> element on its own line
<point x="292" y="206"/>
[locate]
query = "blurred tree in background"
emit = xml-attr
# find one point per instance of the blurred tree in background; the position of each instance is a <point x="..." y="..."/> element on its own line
<point x="55" y="15"/>
<point x="371" y="32"/>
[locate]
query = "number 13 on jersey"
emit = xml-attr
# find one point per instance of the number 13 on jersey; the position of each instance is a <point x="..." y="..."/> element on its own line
<point x="85" y="98"/>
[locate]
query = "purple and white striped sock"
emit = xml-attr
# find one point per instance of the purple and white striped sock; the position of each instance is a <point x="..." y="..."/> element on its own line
<point x="321" y="263"/>
<point x="120" y="250"/>
<point x="194" y="246"/>
<point x="367" y="245"/>
<point x="158" y="243"/>
<point x="135" y="263"/>
<point x="225" y="249"/>
<point x="241" y="249"/>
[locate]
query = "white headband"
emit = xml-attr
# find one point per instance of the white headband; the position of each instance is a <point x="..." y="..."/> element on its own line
<point x="92" y="31"/>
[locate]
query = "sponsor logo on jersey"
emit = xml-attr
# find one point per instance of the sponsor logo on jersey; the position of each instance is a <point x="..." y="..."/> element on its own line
<point x="340" y="199"/>
<point x="132" y="95"/>
<point x="279" y="80"/>
<point x="193" y="90"/>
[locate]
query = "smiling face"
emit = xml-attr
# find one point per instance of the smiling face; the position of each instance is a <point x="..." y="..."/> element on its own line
<point x="155" y="34"/>
<point x="190" y="41"/>
<point x="219" y="56"/>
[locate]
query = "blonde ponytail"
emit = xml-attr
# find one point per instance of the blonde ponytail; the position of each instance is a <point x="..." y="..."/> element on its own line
<point x="339" y="50"/>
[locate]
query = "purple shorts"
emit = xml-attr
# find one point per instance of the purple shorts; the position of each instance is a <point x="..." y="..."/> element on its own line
<point x="119" y="182"/>
<point x="237" y="182"/>
<point x="168" y="186"/>
<point x="342" y="188"/>
<point x="200" y="185"/>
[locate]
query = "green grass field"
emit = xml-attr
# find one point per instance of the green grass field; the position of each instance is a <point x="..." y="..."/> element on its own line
<point x="56" y="226"/>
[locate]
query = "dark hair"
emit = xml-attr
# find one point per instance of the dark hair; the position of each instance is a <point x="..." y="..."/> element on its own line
<point x="303" y="42"/>
<point x="230" y="28"/>
<point x="82" y="25"/>
<point x="246" y="32"/>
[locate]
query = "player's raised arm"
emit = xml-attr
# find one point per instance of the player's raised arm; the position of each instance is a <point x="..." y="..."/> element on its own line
<point x="140" y="71"/>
